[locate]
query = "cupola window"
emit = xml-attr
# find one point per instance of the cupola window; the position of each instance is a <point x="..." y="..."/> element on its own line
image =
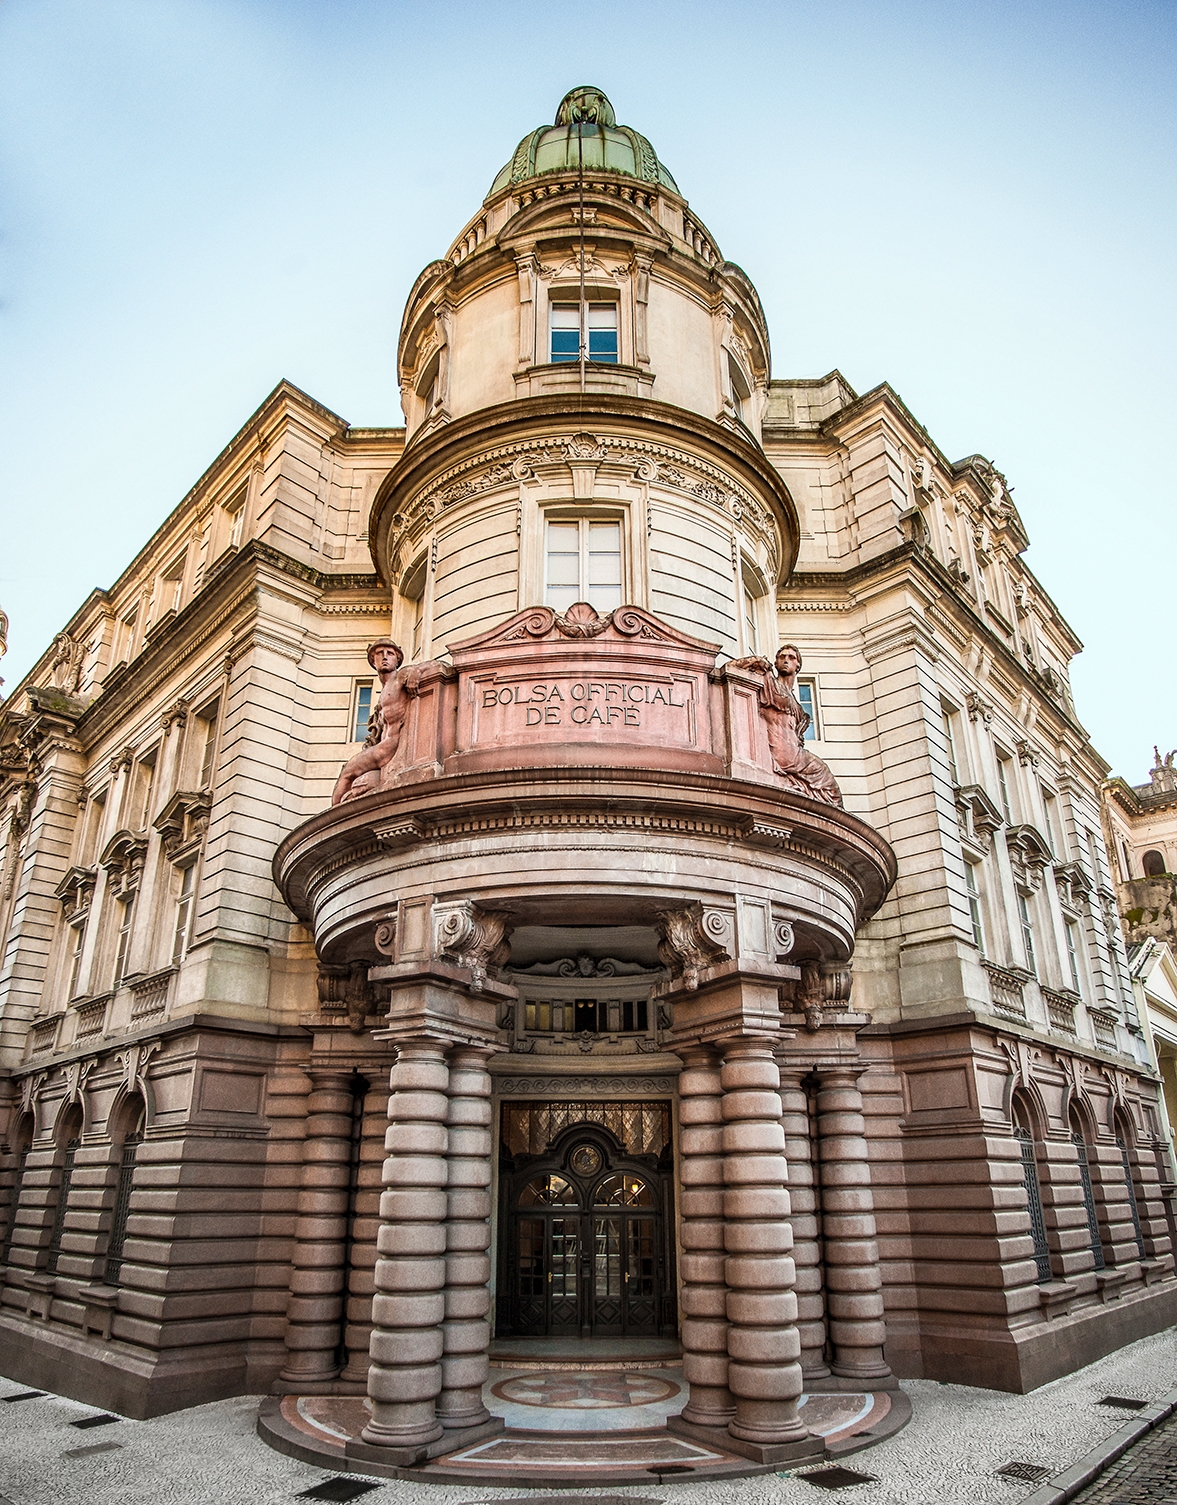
<point x="601" y="321"/>
<point x="583" y="563"/>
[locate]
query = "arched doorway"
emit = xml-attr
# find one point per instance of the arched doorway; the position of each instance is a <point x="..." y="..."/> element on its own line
<point x="584" y="1250"/>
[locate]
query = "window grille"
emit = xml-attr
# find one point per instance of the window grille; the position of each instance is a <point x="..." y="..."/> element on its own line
<point x="1088" y="1198"/>
<point x="122" y="1206"/>
<point x="1132" y="1203"/>
<point x="14" y="1206"/>
<point x="67" y="1176"/>
<point x="1034" y="1198"/>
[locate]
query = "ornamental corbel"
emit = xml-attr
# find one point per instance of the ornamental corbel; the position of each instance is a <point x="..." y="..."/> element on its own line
<point x="977" y="706"/>
<point x="76" y="1074"/>
<point x="133" y="1062"/>
<point x="467" y="935"/>
<point x="30" y="1091"/>
<point x="691" y="939"/>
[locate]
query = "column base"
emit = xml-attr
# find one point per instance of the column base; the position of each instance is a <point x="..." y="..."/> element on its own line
<point x="809" y="1449"/>
<point x="412" y="1455"/>
<point x="309" y="1386"/>
<point x="833" y="1383"/>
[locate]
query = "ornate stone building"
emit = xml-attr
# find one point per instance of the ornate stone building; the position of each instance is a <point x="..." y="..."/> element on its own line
<point x="1140" y="822"/>
<point x="830" y="1081"/>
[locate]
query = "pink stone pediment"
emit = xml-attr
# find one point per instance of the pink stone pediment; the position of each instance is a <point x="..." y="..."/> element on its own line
<point x="581" y="623"/>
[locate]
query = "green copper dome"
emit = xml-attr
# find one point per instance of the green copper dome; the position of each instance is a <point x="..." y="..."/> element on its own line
<point x="586" y="132"/>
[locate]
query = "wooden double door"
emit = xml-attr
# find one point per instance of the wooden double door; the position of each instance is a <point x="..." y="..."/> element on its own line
<point x="586" y="1250"/>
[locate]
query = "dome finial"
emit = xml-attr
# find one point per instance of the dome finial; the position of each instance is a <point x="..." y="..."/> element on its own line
<point x="588" y="104"/>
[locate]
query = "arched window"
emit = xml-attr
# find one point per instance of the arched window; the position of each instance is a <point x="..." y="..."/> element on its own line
<point x="133" y="1116"/>
<point x="1154" y="864"/>
<point x="1079" y="1140"/>
<point x="549" y="1191"/>
<point x="69" y="1136"/>
<point x="1024" y="1134"/>
<point x="22" y="1143"/>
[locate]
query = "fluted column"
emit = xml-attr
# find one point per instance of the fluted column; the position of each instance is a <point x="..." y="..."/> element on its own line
<point x="762" y="1342"/>
<point x="854" y="1297"/>
<point x="803" y="1217"/>
<point x="314" y="1313"/>
<point x="466" y="1329"/>
<point x="409" y="1305"/>
<point x="704" y="1283"/>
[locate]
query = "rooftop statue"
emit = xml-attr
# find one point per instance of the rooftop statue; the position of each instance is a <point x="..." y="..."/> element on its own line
<point x="786" y="721"/>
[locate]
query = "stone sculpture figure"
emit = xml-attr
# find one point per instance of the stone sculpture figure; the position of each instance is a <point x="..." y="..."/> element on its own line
<point x="361" y="773"/>
<point x="786" y="721"/>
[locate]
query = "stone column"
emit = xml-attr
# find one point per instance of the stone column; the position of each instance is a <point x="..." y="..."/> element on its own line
<point x="466" y="1330"/>
<point x="409" y="1305"/>
<point x="853" y="1284"/>
<point x="704" y="1283"/>
<point x="314" y="1313"/>
<point x="803" y="1217"/>
<point x="762" y="1342"/>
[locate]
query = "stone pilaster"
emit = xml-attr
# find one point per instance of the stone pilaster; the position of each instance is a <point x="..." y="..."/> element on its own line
<point x="763" y="1345"/>
<point x="314" y="1313"/>
<point x="704" y="1283"/>
<point x="853" y="1284"/>
<point x="409" y="1305"/>
<point x="466" y="1329"/>
<point x="803" y="1217"/>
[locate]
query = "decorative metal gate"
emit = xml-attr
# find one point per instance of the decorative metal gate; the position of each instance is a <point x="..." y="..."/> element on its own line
<point x="585" y="1251"/>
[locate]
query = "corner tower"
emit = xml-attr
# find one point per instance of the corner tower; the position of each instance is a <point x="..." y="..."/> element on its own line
<point x="586" y="869"/>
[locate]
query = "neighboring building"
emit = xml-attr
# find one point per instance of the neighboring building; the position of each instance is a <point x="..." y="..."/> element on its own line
<point x="616" y="963"/>
<point x="1141" y="831"/>
<point x="1153" y="968"/>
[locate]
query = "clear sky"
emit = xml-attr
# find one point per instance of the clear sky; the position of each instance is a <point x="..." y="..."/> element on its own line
<point x="972" y="201"/>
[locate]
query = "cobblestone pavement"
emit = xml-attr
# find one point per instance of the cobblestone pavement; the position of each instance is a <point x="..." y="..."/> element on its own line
<point x="1145" y="1475"/>
<point x="948" y="1455"/>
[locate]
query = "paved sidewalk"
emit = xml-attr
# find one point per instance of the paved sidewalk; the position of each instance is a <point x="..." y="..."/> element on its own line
<point x="1145" y="1475"/>
<point x="948" y="1455"/>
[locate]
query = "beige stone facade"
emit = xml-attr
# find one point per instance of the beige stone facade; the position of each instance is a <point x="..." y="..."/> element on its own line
<point x="1141" y="829"/>
<point x="830" y="1093"/>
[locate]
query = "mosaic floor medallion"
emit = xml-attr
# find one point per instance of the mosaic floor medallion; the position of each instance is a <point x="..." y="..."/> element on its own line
<point x="586" y="1391"/>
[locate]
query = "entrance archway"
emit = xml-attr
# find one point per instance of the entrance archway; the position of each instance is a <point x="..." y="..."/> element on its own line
<point x="583" y="1247"/>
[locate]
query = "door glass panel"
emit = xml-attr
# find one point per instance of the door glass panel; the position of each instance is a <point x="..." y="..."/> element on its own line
<point x="531" y="1258"/>
<point x="565" y="1249"/>
<point x="640" y="1257"/>
<point x="548" y="1191"/>
<point x="607" y="1259"/>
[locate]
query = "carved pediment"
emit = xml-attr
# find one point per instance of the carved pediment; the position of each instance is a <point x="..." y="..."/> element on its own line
<point x="76" y="890"/>
<point x="123" y="858"/>
<point x="1029" y="854"/>
<point x="979" y="816"/>
<point x="582" y="622"/>
<point x="182" y="823"/>
<point x="1074" y="885"/>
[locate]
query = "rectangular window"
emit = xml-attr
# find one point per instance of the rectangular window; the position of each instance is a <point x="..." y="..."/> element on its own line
<point x="806" y="692"/>
<point x="172" y="589"/>
<point x="974" y="897"/>
<point x="565" y="332"/>
<point x="1073" y="953"/>
<point x="1125" y="862"/>
<point x="183" y="915"/>
<point x="1053" y="828"/>
<point x="602" y="333"/>
<point x="144" y="785"/>
<point x="751" y="635"/>
<point x="948" y="717"/>
<point x="209" y="751"/>
<point x="1027" y="934"/>
<point x="75" y="961"/>
<point x="583" y="563"/>
<point x="126" y="637"/>
<point x="361" y="710"/>
<point x="1003" y="786"/>
<point x="600" y="327"/>
<point x="126" y="919"/>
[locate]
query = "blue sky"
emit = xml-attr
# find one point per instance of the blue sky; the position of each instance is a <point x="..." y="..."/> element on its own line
<point x="974" y="202"/>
